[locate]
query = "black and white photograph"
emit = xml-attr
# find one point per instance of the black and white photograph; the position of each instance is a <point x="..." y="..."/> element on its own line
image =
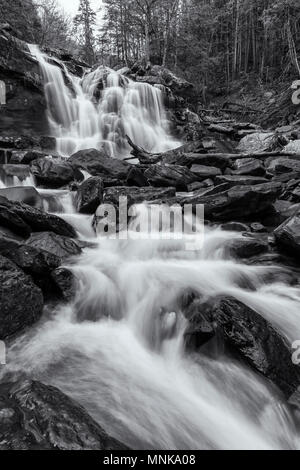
<point x="149" y="228"/>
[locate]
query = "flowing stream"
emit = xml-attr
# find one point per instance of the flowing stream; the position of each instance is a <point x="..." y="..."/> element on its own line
<point x="112" y="349"/>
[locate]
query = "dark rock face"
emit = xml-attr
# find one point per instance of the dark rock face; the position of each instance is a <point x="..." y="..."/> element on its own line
<point x="32" y="155"/>
<point x="170" y="175"/>
<point x="27" y="194"/>
<point x="97" y="163"/>
<point x="89" y="195"/>
<point x="248" y="335"/>
<point x="162" y="76"/>
<point x="189" y="159"/>
<point x="53" y="173"/>
<point x="247" y="247"/>
<point x="25" y="108"/>
<point x="137" y="195"/>
<point x="288" y="235"/>
<point x="65" y="283"/>
<point x="62" y="247"/>
<point x="249" y="166"/>
<point x="23" y="219"/>
<point x="203" y="172"/>
<point x="36" y="416"/>
<point x="238" y="202"/>
<point x="21" y="301"/>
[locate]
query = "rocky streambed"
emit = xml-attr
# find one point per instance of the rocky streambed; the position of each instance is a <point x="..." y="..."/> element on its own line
<point x="253" y="196"/>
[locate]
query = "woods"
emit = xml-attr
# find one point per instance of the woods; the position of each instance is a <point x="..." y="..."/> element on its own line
<point x="211" y="43"/>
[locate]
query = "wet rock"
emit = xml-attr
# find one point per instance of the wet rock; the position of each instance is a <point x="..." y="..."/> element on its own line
<point x="201" y="328"/>
<point x="27" y="194"/>
<point x="32" y="155"/>
<point x="9" y="173"/>
<point x="246" y="247"/>
<point x="63" y="247"/>
<point x="249" y="336"/>
<point x="21" y="301"/>
<point x="170" y="175"/>
<point x="136" y="177"/>
<point x="98" y="163"/>
<point x="293" y="146"/>
<point x="189" y="159"/>
<point x="89" y="195"/>
<point x="236" y="203"/>
<point x="137" y="195"/>
<point x="31" y="260"/>
<point x="256" y="227"/>
<point x="40" y="417"/>
<point x="23" y="219"/>
<point x="204" y="172"/>
<point x="47" y="142"/>
<point x="257" y="342"/>
<point x="203" y="185"/>
<point x="54" y="173"/>
<point x="235" y="227"/>
<point x="287" y="235"/>
<point x="284" y="210"/>
<point x="65" y="283"/>
<point x="249" y="166"/>
<point x="238" y="180"/>
<point x="283" y="165"/>
<point x="258" y="142"/>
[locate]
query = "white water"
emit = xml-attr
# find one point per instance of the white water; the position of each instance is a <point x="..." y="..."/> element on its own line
<point x="130" y="370"/>
<point x="126" y="108"/>
<point x="118" y="348"/>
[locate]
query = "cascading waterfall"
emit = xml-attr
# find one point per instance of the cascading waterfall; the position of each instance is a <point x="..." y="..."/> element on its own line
<point x="114" y="351"/>
<point x="118" y="348"/>
<point x="126" y="108"/>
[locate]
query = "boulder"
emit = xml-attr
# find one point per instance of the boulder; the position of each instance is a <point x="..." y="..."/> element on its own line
<point x="188" y="159"/>
<point x="246" y="247"/>
<point x="89" y="195"/>
<point x="238" y="180"/>
<point x="21" y="301"/>
<point x="54" y="173"/>
<point x="170" y="175"/>
<point x="283" y="165"/>
<point x="98" y="163"/>
<point x="9" y="173"/>
<point x="23" y="219"/>
<point x="236" y="203"/>
<point x="249" y="166"/>
<point x="248" y="335"/>
<point x="287" y="235"/>
<point x="65" y="283"/>
<point x="137" y="195"/>
<point x="61" y="247"/>
<point x="35" y="416"/>
<point x="204" y="172"/>
<point x="32" y="155"/>
<point x="27" y="194"/>
<point x="257" y="142"/>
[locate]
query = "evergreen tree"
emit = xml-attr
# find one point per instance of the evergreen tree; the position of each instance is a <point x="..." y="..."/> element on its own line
<point x="84" y="21"/>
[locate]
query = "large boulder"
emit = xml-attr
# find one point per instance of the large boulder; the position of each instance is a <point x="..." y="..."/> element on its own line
<point x="27" y="194"/>
<point x="21" y="301"/>
<point x="283" y="165"/>
<point x="288" y="235"/>
<point x="89" y="195"/>
<point x="54" y="173"/>
<point x="98" y="163"/>
<point x="61" y="247"/>
<point x="35" y="416"/>
<point x="162" y="76"/>
<point x="250" y="336"/>
<point x="257" y="142"/>
<point x="23" y="219"/>
<point x="189" y="159"/>
<point x="249" y="166"/>
<point x="136" y="195"/>
<point x="236" y="203"/>
<point x="170" y="175"/>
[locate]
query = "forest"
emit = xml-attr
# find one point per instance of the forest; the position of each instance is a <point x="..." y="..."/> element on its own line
<point x="211" y="43"/>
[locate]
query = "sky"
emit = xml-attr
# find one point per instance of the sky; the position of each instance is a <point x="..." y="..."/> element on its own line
<point x="71" y="6"/>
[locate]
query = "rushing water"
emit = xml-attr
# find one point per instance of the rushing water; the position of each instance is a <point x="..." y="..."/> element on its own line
<point x="118" y="348"/>
<point x="126" y="108"/>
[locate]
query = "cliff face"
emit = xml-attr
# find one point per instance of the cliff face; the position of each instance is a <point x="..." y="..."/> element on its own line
<point x="25" y="107"/>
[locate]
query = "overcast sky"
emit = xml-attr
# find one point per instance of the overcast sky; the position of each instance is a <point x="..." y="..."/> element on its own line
<point x="71" y="6"/>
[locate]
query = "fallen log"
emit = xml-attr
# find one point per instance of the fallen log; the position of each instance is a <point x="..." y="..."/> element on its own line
<point x="141" y="154"/>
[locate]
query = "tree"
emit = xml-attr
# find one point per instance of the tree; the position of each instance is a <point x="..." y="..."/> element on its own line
<point x="22" y="16"/>
<point x="56" y="31"/>
<point x="85" y="21"/>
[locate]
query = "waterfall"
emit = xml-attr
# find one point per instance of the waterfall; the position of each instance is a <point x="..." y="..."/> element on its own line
<point x="79" y="120"/>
